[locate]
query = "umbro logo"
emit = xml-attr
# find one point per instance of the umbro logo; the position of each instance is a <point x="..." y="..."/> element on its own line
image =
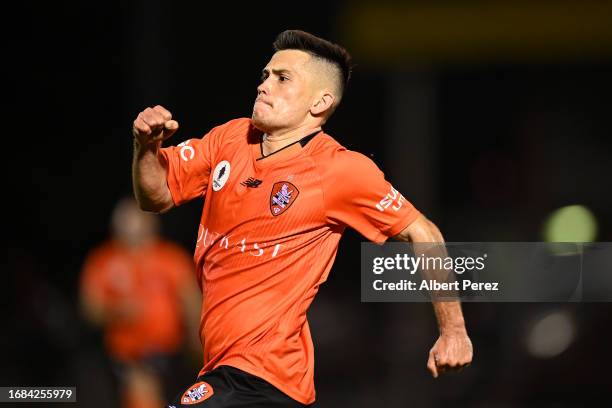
<point x="251" y="182"/>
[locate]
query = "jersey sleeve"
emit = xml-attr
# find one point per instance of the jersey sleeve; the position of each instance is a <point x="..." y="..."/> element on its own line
<point x="188" y="166"/>
<point x="358" y="195"/>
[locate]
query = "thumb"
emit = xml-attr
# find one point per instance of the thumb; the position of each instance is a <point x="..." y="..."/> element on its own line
<point x="431" y="365"/>
<point x="170" y="127"/>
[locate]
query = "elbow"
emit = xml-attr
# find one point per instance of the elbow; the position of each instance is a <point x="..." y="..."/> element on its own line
<point x="151" y="206"/>
<point x="435" y="233"/>
<point x="422" y="230"/>
<point x="429" y="233"/>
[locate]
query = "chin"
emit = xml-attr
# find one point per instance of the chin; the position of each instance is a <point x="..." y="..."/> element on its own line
<point x="260" y="123"/>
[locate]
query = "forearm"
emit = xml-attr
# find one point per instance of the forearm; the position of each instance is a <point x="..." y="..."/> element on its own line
<point x="149" y="178"/>
<point x="446" y="303"/>
<point x="449" y="317"/>
<point x="428" y="242"/>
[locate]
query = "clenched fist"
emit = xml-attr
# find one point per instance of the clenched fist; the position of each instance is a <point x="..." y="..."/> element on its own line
<point x="154" y="125"/>
<point x="452" y="352"/>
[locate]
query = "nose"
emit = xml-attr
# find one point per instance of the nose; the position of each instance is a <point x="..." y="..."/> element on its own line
<point x="263" y="87"/>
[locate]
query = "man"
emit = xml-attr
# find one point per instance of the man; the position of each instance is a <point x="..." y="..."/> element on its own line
<point x="278" y="193"/>
<point x="140" y="289"/>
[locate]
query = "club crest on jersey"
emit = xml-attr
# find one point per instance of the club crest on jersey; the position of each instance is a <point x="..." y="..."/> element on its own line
<point x="198" y="392"/>
<point x="282" y="196"/>
<point x="221" y="174"/>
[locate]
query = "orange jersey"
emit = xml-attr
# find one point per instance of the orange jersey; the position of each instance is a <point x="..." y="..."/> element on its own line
<point x="148" y="279"/>
<point x="267" y="239"/>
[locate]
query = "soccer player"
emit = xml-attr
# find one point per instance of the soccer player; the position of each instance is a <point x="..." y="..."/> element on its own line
<point x="278" y="194"/>
<point x="141" y="291"/>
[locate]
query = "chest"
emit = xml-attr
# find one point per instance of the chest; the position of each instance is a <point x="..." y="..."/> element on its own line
<point x="250" y="194"/>
<point x="136" y="273"/>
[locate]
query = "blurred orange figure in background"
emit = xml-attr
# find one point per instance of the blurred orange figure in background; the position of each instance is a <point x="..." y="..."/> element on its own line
<point x="141" y="290"/>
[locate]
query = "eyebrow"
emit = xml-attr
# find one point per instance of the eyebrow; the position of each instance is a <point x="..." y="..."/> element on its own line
<point x="276" y="71"/>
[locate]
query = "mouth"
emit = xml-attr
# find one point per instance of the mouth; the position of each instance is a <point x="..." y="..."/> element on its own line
<point x="259" y="100"/>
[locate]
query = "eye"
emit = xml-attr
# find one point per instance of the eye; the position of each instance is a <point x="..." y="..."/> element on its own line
<point x="283" y="78"/>
<point x="264" y="76"/>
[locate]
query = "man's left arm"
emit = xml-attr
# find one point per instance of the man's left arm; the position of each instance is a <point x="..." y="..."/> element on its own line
<point x="453" y="349"/>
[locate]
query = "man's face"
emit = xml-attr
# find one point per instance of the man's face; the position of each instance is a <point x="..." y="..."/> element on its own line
<point x="286" y="92"/>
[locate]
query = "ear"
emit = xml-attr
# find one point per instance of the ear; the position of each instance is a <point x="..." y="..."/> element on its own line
<point x="323" y="103"/>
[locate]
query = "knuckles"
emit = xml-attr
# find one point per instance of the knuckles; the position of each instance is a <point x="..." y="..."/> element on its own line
<point x="155" y="116"/>
<point x="150" y="120"/>
<point x="163" y="111"/>
<point x="140" y="127"/>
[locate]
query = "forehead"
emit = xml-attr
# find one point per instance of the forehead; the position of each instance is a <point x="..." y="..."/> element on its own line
<point x="292" y="60"/>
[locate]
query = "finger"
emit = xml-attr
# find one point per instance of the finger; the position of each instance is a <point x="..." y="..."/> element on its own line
<point x="140" y="127"/>
<point x="154" y="119"/>
<point x="170" y="127"/>
<point x="452" y="364"/>
<point x="164" y="112"/>
<point x="431" y="365"/>
<point x="442" y="363"/>
<point x="441" y="359"/>
<point x="457" y="365"/>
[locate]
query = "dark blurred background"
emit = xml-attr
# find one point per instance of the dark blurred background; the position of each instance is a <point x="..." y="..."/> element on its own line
<point x="491" y="117"/>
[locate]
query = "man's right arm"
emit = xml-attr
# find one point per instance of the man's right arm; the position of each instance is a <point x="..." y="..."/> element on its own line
<point x="151" y="127"/>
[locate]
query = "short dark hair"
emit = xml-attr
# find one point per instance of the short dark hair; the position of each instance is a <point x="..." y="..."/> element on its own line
<point x="318" y="47"/>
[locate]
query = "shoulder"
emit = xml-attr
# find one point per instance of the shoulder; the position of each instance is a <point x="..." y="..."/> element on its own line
<point x="229" y="135"/>
<point x="235" y="128"/>
<point x="229" y="128"/>
<point x="102" y="254"/>
<point x="335" y="159"/>
<point x="235" y="125"/>
<point x="238" y="130"/>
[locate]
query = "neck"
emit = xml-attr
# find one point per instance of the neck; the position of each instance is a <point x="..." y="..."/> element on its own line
<point x="275" y="140"/>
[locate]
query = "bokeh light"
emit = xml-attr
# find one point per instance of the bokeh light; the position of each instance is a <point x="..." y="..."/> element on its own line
<point x="573" y="223"/>
<point x="551" y="335"/>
